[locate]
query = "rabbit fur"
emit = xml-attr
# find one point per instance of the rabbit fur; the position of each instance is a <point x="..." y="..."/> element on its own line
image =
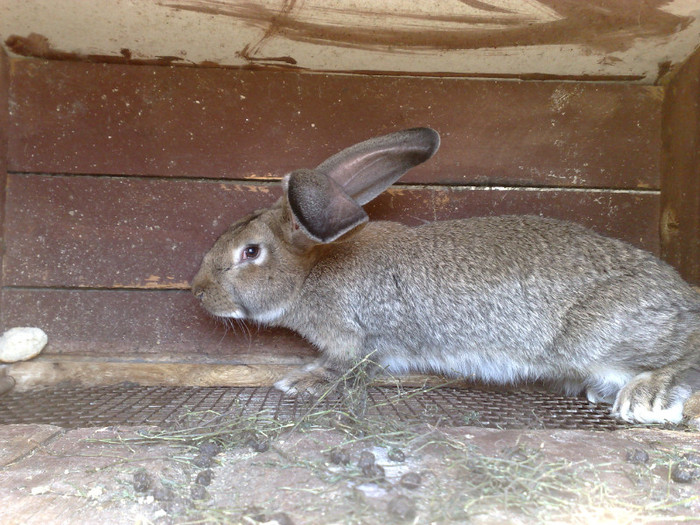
<point x="498" y="299"/>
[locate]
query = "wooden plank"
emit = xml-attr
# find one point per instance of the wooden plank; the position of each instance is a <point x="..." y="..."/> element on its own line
<point x="4" y="131"/>
<point x="127" y="232"/>
<point x="95" y="372"/>
<point x="680" y="186"/>
<point x="166" y="325"/>
<point x="118" y="232"/>
<point x="46" y="372"/>
<point x="627" y="215"/>
<point x="119" y="119"/>
<point x="91" y="371"/>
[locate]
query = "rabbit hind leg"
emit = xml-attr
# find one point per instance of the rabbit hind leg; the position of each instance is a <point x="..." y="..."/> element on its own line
<point x="652" y="397"/>
<point x="691" y="410"/>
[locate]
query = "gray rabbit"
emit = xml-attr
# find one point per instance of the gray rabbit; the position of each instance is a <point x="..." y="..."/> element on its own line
<point x="498" y="299"/>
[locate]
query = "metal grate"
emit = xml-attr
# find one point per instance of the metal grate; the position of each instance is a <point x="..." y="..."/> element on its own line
<point x="74" y="406"/>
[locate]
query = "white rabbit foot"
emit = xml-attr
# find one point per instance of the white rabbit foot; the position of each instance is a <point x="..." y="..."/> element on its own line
<point x="649" y="398"/>
<point x="310" y="381"/>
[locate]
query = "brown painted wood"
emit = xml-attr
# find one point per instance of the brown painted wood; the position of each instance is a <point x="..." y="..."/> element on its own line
<point x="127" y="232"/>
<point x="4" y="131"/>
<point x="118" y="232"/>
<point x="165" y="325"/>
<point x="148" y="120"/>
<point x="680" y="186"/>
<point x="627" y="215"/>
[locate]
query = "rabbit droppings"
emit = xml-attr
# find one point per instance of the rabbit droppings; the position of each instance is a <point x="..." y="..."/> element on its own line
<point x="497" y="299"/>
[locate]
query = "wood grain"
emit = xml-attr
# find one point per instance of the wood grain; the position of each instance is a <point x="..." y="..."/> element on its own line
<point x="19" y="441"/>
<point x="127" y="232"/>
<point x="119" y="119"/>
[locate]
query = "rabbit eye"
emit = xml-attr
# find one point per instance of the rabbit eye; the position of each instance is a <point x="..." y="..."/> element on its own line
<point x="250" y="252"/>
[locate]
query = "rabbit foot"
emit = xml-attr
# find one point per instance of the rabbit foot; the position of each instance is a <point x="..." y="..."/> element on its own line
<point x="649" y="398"/>
<point x="309" y="381"/>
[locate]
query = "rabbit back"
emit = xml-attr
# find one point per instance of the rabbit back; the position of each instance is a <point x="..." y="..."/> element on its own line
<point x="499" y="299"/>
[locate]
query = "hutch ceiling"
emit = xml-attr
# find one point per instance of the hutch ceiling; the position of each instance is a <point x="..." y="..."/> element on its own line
<point x="626" y="40"/>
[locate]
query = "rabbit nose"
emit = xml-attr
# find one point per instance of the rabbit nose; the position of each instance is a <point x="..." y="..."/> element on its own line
<point x="198" y="291"/>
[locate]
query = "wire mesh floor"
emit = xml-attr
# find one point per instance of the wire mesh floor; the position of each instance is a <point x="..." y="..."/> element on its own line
<point x="72" y="406"/>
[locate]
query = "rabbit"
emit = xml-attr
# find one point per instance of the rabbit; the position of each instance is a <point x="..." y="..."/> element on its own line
<point x="498" y="299"/>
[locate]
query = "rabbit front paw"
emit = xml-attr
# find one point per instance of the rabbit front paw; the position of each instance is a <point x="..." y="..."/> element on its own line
<point x="309" y="381"/>
<point x="650" y="398"/>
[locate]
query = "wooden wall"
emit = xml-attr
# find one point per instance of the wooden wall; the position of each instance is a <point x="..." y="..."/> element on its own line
<point x="120" y="177"/>
<point x="4" y="132"/>
<point x="680" y="220"/>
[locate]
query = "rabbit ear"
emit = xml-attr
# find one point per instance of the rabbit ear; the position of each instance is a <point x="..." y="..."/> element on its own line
<point x="327" y="202"/>
<point x="368" y="168"/>
<point x="320" y="206"/>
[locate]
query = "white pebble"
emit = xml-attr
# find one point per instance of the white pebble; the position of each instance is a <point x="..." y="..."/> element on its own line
<point x="22" y="343"/>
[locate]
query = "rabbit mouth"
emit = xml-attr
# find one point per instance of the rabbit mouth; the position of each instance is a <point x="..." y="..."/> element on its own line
<point x="241" y="313"/>
<point x="236" y="313"/>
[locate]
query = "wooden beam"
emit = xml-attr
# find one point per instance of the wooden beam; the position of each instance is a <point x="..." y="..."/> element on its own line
<point x="93" y="373"/>
<point x="4" y="134"/>
<point x="680" y="167"/>
<point x="96" y="372"/>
